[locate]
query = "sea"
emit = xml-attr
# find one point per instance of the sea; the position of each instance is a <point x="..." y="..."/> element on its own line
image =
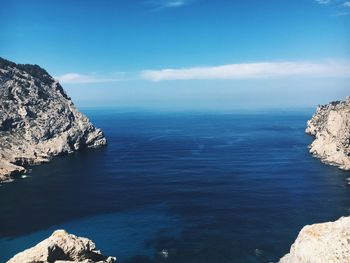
<point x="180" y="187"/>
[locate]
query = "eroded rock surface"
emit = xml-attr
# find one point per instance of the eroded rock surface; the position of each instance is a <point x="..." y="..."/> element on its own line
<point x="37" y="119"/>
<point x="331" y="127"/>
<point x="319" y="243"/>
<point x="62" y="247"/>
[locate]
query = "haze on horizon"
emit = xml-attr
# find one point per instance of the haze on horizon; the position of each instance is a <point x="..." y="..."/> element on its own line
<point x="185" y="54"/>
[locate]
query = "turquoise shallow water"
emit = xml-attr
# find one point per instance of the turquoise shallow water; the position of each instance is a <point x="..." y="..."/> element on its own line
<point x="205" y="187"/>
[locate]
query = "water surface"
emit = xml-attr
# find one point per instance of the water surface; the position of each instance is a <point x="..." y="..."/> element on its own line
<point x="204" y="187"/>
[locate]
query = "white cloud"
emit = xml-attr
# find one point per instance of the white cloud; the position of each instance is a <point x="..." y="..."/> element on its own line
<point x="346" y="4"/>
<point x="76" y="78"/>
<point x="261" y="70"/>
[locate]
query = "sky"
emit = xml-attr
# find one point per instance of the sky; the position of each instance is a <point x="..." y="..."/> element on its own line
<point x="185" y="54"/>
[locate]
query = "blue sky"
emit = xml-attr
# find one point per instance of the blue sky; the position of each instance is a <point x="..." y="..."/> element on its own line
<point x="185" y="54"/>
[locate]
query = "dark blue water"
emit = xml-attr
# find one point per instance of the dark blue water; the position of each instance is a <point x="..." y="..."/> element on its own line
<point x="234" y="187"/>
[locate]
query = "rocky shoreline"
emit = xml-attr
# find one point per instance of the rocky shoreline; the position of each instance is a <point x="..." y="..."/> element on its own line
<point x="330" y="126"/>
<point x="326" y="242"/>
<point x="37" y="120"/>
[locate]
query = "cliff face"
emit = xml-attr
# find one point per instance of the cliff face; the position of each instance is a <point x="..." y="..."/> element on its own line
<point x="37" y="119"/>
<point x="62" y="247"/>
<point x="320" y="243"/>
<point x="331" y="127"/>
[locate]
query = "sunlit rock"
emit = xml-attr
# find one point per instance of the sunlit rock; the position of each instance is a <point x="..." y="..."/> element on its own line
<point x="62" y="247"/>
<point x="331" y="127"/>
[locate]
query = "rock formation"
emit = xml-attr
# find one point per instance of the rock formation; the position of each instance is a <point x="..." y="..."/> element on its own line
<point x="320" y="243"/>
<point x="327" y="242"/>
<point x="331" y="127"/>
<point x="62" y="247"/>
<point x="37" y="119"/>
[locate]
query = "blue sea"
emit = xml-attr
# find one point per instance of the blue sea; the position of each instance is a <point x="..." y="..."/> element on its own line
<point x="180" y="187"/>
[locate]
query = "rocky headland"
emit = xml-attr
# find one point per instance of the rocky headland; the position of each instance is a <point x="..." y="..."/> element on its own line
<point x="62" y="247"/>
<point x="37" y="120"/>
<point x="331" y="127"/>
<point x="327" y="242"/>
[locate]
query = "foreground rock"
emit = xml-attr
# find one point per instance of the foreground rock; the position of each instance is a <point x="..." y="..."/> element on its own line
<point x="62" y="247"/>
<point x="320" y="243"/>
<point x="37" y="119"/>
<point x="331" y="127"/>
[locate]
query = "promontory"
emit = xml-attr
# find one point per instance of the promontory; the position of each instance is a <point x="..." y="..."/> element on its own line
<point x="330" y="241"/>
<point x="331" y="127"/>
<point x="37" y="120"/>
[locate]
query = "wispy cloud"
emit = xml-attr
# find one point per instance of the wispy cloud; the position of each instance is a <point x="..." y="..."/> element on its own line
<point x="340" y="6"/>
<point x="323" y="2"/>
<point x="342" y="14"/>
<point x="160" y="4"/>
<point x="261" y="70"/>
<point x="76" y="78"/>
<point x="344" y="9"/>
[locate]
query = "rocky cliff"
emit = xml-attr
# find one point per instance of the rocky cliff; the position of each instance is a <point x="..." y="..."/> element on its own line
<point x="62" y="247"/>
<point x="37" y="119"/>
<point x="320" y="243"/>
<point x="331" y="127"/>
<point x="327" y="242"/>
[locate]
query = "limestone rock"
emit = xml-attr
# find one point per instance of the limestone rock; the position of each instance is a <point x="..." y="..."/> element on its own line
<point x="62" y="247"/>
<point x="331" y="127"/>
<point x="319" y="243"/>
<point x="37" y="119"/>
